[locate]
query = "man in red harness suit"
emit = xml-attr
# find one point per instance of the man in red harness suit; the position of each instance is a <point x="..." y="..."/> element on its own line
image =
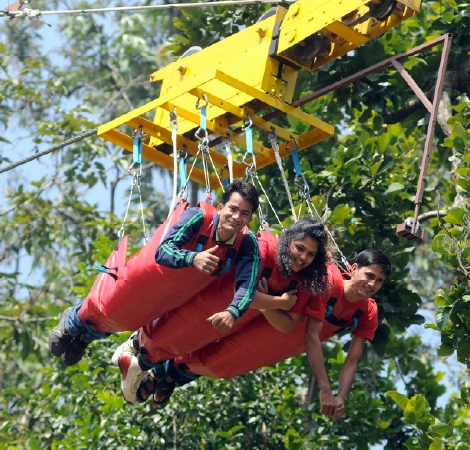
<point x="203" y="243"/>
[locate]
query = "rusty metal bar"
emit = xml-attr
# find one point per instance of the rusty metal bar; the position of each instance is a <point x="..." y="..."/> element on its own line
<point x="431" y="127"/>
<point x="357" y="76"/>
<point x="412" y="84"/>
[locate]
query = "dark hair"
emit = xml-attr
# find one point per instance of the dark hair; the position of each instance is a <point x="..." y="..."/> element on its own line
<point x="246" y="190"/>
<point x="374" y="257"/>
<point x="314" y="276"/>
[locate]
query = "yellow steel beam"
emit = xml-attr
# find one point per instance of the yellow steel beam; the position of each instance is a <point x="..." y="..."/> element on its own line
<point x="151" y="154"/>
<point x="276" y="103"/>
<point x="346" y="24"/>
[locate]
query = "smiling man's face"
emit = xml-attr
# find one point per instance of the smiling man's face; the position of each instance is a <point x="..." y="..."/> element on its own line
<point x="367" y="280"/>
<point x="234" y="215"/>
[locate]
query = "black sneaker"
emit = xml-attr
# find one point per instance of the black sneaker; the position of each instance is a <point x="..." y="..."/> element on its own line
<point x="75" y="351"/>
<point x="59" y="339"/>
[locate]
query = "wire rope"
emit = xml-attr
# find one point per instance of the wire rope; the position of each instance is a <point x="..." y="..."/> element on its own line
<point x="36" y="13"/>
<point x="50" y="150"/>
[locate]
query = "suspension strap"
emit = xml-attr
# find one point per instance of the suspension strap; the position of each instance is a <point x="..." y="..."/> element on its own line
<point x="137" y="148"/>
<point x="182" y="194"/>
<point x="203" y="147"/>
<point x="136" y="171"/>
<point x="272" y="138"/>
<point x="227" y="143"/>
<point x="252" y="173"/>
<point x="304" y="195"/>
<point x="174" y="128"/>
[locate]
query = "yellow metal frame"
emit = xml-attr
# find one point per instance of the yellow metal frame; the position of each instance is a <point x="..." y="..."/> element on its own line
<point x="241" y="79"/>
<point x="335" y="19"/>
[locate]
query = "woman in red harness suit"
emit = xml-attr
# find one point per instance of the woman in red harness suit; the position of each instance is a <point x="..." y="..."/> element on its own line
<point x="299" y="266"/>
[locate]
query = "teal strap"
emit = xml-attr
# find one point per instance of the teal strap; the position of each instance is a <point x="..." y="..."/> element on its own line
<point x="183" y="179"/>
<point x="104" y="269"/>
<point x="137" y="151"/>
<point x="203" y="118"/>
<point x="95" y="333"/>
<point x="227" y="265"/>
<point x="249" y="140"/>
<point x="295" y="159"/>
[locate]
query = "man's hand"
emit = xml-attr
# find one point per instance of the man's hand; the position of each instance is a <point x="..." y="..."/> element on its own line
<point x="263" y="286"/>
<point x="328" y="403"/>
<point x="290" y="298"/>
<point x="206" y="262"/>
<point x="222" y="321"/>
<point x="339" y="408"/>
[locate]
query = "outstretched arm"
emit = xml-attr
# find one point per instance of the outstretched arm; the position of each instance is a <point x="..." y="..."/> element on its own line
<point x="313" y="347"/>
<point x="348" y="372"/>
<point x="284" y="321"/>
<point x="170" y="252"/>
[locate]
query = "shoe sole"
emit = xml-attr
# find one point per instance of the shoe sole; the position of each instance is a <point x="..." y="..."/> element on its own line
<point x="124" y="373"/>
<point x="55" y="332"/>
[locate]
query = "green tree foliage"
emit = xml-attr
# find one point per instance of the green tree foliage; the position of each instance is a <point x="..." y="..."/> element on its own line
<point x="363" y="182"/>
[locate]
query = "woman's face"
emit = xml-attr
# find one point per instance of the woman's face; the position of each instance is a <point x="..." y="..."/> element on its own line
<point x="303" y="252"/>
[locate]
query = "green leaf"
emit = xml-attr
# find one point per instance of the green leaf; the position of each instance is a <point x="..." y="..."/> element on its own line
<point x="440" y="429"/>
<point x="400" y="399"/>
<point x="445" y="350"/>
<point x="459" y="131"/>
<point x="394" y="187"/>
<point x="455" y="216"/>
<point x="442" y="316"/>
<point x="437" y="444"/>
<point x="340" y="214"/>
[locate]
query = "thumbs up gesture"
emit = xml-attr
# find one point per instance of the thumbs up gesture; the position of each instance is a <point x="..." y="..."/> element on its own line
<point x="206" y="262"/>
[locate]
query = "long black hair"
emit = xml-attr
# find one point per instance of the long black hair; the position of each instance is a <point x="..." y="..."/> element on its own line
<point x="314" y="276"/>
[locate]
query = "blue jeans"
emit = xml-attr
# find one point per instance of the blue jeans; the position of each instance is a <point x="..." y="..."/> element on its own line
<point x="75" y="326"/>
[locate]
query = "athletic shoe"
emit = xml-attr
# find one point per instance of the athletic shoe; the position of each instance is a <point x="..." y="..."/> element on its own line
<point x="59" y="339"/>
<point x="132" y="375"/>
<point x="75" y="351"/>
<point x="130" y="346"/>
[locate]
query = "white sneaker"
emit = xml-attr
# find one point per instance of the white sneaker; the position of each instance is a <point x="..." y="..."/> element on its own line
<point x="132" y="375"/>
<point x="125" y="347"/>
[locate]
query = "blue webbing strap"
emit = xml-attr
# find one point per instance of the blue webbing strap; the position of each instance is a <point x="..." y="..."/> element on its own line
<point x="95" y="333"/>
<point x="104" y="269"/>
<point x="328" y="311"/>
<point x="350" y="329"/>
<point x="249" y="140"/>
<point x="203" y="118"/>
<point x="295" y="159"/>
<point x="137" y="150"/>
<point x="227" y="266"/>
<point x="182" y="165"/>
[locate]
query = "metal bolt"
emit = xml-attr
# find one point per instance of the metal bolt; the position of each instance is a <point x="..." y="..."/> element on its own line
<point x="262" y="31"/>
<point x="290" y="35"/>
<point x="295" y="9"/>
<point x="181" y="69"/>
